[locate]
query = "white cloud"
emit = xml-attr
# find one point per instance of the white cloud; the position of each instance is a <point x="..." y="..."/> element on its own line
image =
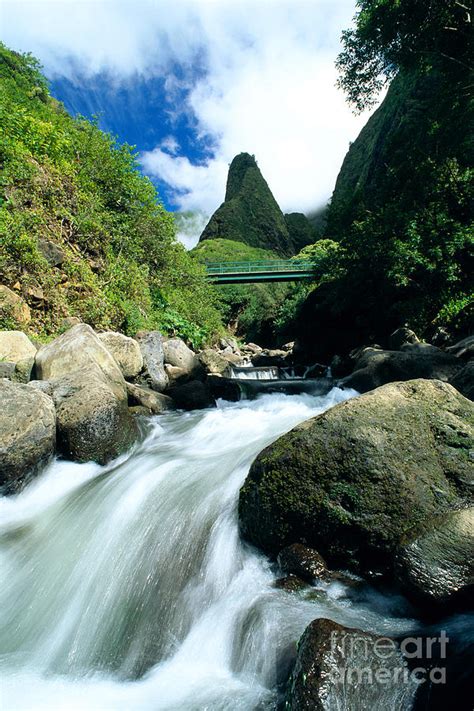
<point x="266" y="83"/>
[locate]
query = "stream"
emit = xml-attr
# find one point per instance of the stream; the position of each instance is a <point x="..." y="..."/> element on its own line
<point x="128" y="587"/>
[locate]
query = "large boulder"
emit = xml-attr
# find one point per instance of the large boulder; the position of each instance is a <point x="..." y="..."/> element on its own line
<point x="75" y="349"/>
<point x="343" y="668"/>
<point x="375" y="367"/>
<point x="365" y="478"/>
<point x="92" y="416"/>
<point x="18" y="351"/>
<point x="90" y="395"/>
<point x="125" y="351"/>
<point x="13" y="307"/>
<point x="151" y="347"/>
<point x="177" y="354"/>
<point x="16" y="346"/>
<point x="27" y="433"/>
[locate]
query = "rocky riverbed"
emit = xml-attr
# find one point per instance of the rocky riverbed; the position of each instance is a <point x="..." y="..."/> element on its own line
<point x="378" y="487"/>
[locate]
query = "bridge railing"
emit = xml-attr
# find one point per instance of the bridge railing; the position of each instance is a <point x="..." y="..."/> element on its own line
<point x="266" y="266"/>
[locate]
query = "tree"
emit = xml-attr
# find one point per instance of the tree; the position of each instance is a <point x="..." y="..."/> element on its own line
<point x="394" y="34"/>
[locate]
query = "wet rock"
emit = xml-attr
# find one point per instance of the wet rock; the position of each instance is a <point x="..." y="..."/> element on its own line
<point x="15" y="346"/>
<point x="364" y="478"/>
<point x="13" y="307"/>
<point x="151" y="347"/>
<point x="194" y="395"/>
<point x="439" y="564"/>
<point x="302" y="561"/>
<point x="176" y="375"/>
<point x="464" y="381"/>
<point x="291" y="583"/>
<point x="27" y="433"/>
<point x="374" y="367"/>
<point x="342" y="668"/>
<point x="154" y="402"/>
<point x="401" y="337"/>
<point x="125" y="351"/>
<point x="139" y="411"/>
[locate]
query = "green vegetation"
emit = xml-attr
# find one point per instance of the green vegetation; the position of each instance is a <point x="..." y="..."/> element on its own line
<point x="256" y="312"/>
<point x="301" y="231"/>
<point x="250" y="213"/>
<point x="68" y="187"/>
<point x="401" y="211"/>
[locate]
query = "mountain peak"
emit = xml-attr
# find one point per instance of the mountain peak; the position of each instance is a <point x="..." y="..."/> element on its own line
<point x="249" y="213"/>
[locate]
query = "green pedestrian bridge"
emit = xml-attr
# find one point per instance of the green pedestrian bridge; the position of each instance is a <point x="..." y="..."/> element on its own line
<point x="250" y="272"/>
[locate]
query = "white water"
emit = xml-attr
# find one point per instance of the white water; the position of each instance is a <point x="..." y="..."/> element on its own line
<point x="127" y="587"/>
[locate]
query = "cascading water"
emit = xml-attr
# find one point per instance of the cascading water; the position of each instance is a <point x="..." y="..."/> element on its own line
<point x="127" y="586"/>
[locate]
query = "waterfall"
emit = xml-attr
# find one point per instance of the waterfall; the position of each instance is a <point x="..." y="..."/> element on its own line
<point x="255" y="373"/>
<point x="127" y="586"/>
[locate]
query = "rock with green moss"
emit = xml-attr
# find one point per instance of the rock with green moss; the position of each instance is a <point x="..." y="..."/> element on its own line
<point x="249" y="213"/>
<point x="364" y="478"/>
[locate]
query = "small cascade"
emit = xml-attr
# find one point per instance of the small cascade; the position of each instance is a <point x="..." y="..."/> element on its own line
<point x="255" y="373"/>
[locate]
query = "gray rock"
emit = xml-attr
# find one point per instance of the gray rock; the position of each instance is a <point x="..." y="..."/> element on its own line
<point x="464" y="380"/>
<point x="213" y="363"/>
<point x="53" y="254"/>
<point x="16" y="346"/>
<point x="27" y="433"/>
<point x="177" y="353"/>
<point x="440" y="563"/>
<point x="151" y="347"/>
<point x="154" y="402"/>
<point x="7" y="370"/>
<point x="75" y="349"/>
<point x="375" y="367"/>
<point x="364" y="478"/>
<point x="126" y="352"/>
<point x="342" y="668"/>
<point x="43" y="385"/>
<point x="92" y="416"/>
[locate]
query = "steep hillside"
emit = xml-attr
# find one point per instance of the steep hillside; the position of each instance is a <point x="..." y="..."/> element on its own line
<point x="83" y="232"/>
<point x="301" y="231"/>
<point x="402" y="213"/>
<point x="249" y="213"/>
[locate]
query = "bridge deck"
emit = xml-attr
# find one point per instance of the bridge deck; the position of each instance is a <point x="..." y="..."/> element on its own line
<point x="250" y="272"/>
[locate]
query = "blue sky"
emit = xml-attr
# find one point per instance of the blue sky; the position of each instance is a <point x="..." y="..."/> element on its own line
<point x="192" y="83"/>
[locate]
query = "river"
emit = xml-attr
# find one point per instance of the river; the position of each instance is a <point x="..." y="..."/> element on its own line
<point x="127" y="586"/>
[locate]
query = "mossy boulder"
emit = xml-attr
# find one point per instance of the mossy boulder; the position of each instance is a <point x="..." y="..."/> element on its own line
<point x="249" y="213"/>
<point x="365" y="478"/>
